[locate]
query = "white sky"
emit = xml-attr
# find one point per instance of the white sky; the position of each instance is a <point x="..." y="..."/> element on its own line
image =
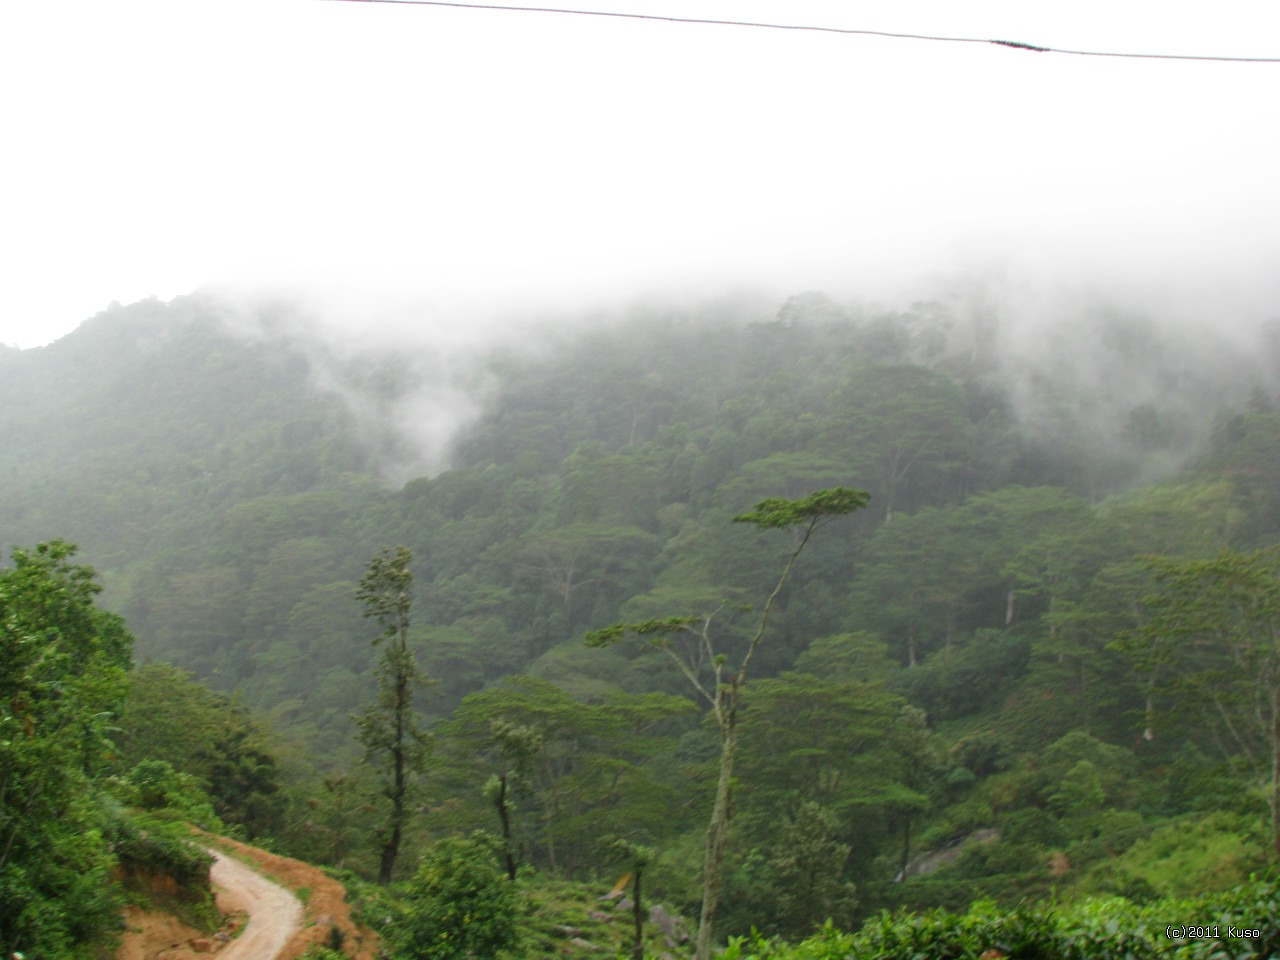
<point x="153" y="146"/>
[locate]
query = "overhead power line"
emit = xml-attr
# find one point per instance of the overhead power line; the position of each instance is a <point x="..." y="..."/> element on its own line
<point x="1014" y="44"/>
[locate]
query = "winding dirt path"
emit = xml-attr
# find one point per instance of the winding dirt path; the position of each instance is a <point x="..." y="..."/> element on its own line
<point x="275" y="914"/>
<point x="272" y="922"/>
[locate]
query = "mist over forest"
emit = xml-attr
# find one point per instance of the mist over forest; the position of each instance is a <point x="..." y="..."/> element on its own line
<point x="674" y="479"/>
<point x="1030" y="668"/>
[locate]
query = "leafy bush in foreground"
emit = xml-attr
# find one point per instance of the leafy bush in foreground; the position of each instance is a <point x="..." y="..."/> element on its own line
<point x="1241" y="925"/>
<point x="457" y="905"/>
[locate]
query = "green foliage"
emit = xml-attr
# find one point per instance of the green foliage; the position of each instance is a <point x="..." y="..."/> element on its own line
<point x="396" y="745"/>
<point x="904" y="429"/>
<point x="216" y="754"/>
<point x="574" y="772"/>
<point x="859" y="656"/>
<point x="232" y="506"/>
<point x="154" y="785"/>
<point x="1241" y="925"/>
<point x="243" y="783"/>
<point x="806" y="872"/>
<point x="967" y="678"/>
<point x="854" y="750"/>
<point x="457" y="905"/>
<point x="61" y="679"/>
<point x="1211" y="633"/>
<point x="778" y="513"/>
<point x="724" y="686"/>
<point x="1242" y="446"/>
<point x="146" y="846"/>
<point x="651" y="628"/>
<point x="1183" y="858"/>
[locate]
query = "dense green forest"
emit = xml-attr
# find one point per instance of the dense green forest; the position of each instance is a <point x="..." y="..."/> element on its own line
<point x="1038" y="666"/>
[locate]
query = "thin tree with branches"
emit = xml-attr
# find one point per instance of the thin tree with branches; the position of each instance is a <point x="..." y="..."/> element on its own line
<point x="722" y="690"/>
<point x="395" y="743"/>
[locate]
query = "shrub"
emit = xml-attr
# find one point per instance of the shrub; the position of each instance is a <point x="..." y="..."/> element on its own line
<point x="457" y="905"/>
<point x="1106" y="929"/>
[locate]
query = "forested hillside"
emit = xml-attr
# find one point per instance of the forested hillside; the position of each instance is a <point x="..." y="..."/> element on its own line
<point x="1039" y="663"/>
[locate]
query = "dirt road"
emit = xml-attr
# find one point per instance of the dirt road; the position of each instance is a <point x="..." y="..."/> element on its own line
<point x="270" y="920"/>
<point x="275" y="914"/>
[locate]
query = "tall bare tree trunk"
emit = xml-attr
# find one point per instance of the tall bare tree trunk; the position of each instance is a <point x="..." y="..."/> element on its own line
<point x="394" y="743"/>
<point x="717" y="835"/>
<point x="637" y="916"/>
<point x="802" y="517"/>
<point x="399" y="784"/>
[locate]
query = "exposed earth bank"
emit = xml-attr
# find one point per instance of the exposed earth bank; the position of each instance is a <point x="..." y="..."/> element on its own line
<point x="273" y="907"/>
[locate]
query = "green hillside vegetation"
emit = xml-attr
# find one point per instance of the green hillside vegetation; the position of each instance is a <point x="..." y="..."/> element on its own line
<point x="1037" y="670"/>
<point x="77" y="839"/>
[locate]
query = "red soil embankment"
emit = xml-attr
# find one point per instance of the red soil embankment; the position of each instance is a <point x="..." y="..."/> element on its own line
<point x="260" y="917"/>
<point x="325" y="908"/>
